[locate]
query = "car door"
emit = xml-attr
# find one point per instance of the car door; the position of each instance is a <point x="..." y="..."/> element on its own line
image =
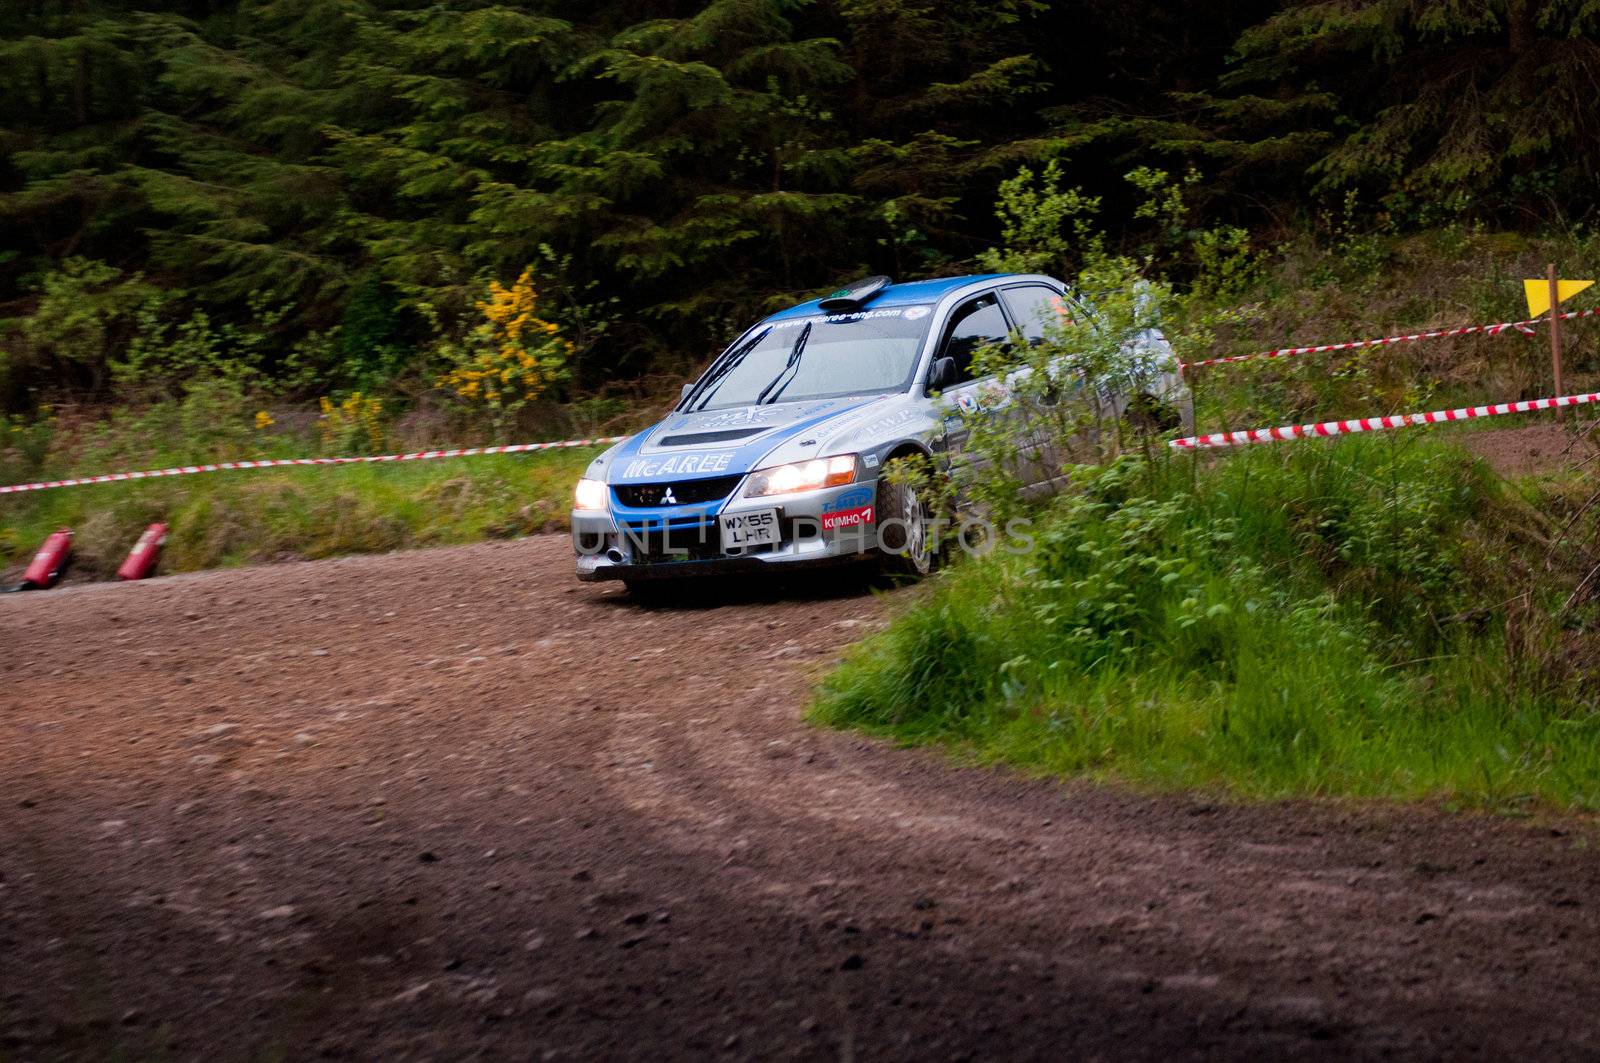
<point x="975" y="323"/>
<point x="1034" y="309"/>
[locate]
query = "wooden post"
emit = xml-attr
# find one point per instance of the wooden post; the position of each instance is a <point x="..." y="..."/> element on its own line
<point x="1555" y="337"/>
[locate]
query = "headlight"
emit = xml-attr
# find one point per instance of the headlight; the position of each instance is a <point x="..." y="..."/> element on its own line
<point x="802" y="476"/>
<point x="590" y="494"/>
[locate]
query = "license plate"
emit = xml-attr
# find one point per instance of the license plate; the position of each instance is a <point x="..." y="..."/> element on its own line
<point x="743" y="530"/>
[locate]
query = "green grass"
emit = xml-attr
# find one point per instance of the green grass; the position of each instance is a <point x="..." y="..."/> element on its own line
<point x="237" y="517"/>
<point x="1317" y="620"/>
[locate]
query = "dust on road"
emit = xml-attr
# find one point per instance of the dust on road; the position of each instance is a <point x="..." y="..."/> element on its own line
<point x="452" y="804"/>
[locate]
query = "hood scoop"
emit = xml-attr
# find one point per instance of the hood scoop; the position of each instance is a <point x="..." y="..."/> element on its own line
<point x="690" y="439"/>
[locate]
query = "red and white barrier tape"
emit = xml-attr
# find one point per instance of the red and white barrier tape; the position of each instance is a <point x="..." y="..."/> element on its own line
<point x="273" y="463"/>
<point x="1488" y="330"/>
<point x="1375" y="424"/>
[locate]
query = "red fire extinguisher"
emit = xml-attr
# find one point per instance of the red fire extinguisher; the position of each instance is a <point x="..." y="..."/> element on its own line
<point x="141" y="561"/>
<point x="49" y="562"/>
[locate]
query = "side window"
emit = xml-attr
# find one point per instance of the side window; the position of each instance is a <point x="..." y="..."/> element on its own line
<point x="1031" y="307"/>
<point x="976" y="323"/>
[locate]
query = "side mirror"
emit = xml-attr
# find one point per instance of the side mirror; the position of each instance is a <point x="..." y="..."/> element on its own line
<point x="685" y="392"/>
<point x="942" y="374"/>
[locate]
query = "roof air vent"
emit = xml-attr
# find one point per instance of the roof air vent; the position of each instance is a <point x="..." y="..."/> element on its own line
<point x="853" y="296"/>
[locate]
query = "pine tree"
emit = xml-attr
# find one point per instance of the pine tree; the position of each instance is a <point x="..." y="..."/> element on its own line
<point x="715" y="166"/>
<point x="1458" y="108"/>
<point x="1434" y="109"/>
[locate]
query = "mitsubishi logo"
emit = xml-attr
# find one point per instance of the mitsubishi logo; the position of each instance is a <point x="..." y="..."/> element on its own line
<point x="667" y="499"/>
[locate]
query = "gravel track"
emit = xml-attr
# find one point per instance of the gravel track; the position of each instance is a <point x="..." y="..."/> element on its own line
<point x="451" y="804"/>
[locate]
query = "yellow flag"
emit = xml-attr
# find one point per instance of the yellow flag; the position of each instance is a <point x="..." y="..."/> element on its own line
<point x="1538" y="293"/>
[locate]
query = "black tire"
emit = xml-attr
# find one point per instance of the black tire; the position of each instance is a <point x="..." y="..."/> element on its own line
<point x="904" y="546"/>
<point x="1149" y="414"/>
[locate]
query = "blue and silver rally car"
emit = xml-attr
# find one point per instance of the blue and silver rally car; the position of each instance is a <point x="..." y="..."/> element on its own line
<point x="774" y="456"/>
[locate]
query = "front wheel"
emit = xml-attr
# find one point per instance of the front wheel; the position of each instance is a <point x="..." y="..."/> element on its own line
<point x="1150" y="415"/>
<point x="904" y="544"/>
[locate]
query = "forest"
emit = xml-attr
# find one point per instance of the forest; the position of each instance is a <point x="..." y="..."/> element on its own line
<point x="357" y="197"/>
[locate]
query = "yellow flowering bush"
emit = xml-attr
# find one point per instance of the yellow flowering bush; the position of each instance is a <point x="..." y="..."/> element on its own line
<point x="354" y="424"/>
<point x="512" y="357"/>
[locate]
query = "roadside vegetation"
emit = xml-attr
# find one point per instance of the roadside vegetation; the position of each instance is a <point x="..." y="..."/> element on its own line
<point x="231" y="518"/>
<point x="1374" y="617"/>
<point x="200" y="393"/>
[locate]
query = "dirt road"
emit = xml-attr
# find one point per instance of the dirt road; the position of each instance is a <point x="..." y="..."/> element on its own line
<point x="453" y="805"/>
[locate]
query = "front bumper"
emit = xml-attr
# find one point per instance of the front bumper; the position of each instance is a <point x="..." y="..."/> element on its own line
<point x="663" y="544"/>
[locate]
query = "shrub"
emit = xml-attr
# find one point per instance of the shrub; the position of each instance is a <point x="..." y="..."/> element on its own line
<point x="353" y="424"/>
<point x="511" y="358"/>
<point x="1315" y="619"/>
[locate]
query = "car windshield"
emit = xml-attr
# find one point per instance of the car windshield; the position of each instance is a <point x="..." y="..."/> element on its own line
<point x="870" y="352"/>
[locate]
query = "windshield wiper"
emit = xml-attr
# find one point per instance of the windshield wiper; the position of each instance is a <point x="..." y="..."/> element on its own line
<point x="792" y="364"/>
<point x="720" y="369"/>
